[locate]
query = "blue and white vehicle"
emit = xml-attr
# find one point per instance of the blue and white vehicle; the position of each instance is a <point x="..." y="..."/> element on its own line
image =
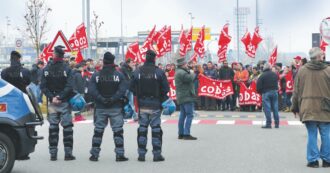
<point x="19" y="116"/>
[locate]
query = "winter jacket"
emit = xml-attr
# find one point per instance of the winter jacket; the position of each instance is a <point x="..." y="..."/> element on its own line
<point x="268" y="81"/>
<point x="17" y="75"/>
<point x="185" y="89"/>
<point x="226" y="73"/>
<point x="211" y="73"/>
<point x="311" y="95"/>
<point x="78" y="83"/>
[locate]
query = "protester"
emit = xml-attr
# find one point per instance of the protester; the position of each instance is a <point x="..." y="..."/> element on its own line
<point x="185" y="94"/>
<point x="267" y="85"/>
<point x="227" y="73"/>
<point x="78" y="86"/>
<point x="36" y="74"/>
<point x="311" y="102"/>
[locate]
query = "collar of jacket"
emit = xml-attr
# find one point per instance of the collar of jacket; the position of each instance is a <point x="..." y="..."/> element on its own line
<point x="184" y="69"/>
<point x="15" y="64"/>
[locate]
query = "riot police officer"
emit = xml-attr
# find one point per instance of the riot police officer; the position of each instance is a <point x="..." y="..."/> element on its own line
<point x="150" y="85"/>
<point x="16" y="74"/>
<point x="108" y="87"/>
<point x="56" y="85"/>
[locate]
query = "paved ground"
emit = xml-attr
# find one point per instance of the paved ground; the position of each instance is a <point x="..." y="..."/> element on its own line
<point x="227" y="148"/>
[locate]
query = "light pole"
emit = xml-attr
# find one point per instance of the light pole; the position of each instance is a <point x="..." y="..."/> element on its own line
<point x="88" y="25"/>
<point x="7" y="34"/>
<point x="237" y="15"/>
<point x="191" y="18"/>
<point x="121" y="30"/>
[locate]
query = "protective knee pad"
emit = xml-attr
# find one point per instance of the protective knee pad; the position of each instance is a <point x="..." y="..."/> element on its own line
<point x="53" y="135"/>
<point x="142" y="136"/>
<point x="98" y="134"/>
<point x="119" y="138"/>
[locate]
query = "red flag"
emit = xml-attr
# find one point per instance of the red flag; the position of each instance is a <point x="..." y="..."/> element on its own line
<point x="172" y="92"/>
<point x="78" y="40"/>
<point x="133" y="52"/>
<point x="159" y="33"/>
<point x="273" y="57"/>
<point x="199" y="46"/>
<point x="79" y="57"/>
<point x="246" y="39"/>
<point x="44" y="56"/>
<point x="183" y="42"/>
<point x="224" y="40"/>
<point x="218" y="89"/>
<point x="249" y="96"/>
<point x="164" y="42"/>
<point x="251" y="45"/>
<point x="189" y="40"/>
<point x="168" y="36"/>
<point x="148" y="44"/>
<point x="289" y="82"/>
<point x="323" y="45"/>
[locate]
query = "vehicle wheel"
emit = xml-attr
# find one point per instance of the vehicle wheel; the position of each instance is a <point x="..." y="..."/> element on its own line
<point x="7" y="154"/>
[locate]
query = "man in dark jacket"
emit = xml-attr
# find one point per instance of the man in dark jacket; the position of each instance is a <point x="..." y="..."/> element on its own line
<point x="108" y="87"/>
<point x="127" y="70"/>
<point x="78" y="83"/>
<point x="185" y="94"/>
<point x="211" y="72"/>
<point x="56" y="84"/>
<point x="36" y="74"/>
<point x="15" y="74"/>
<point x="267" y="85"/>
<point x="150" y="85"/>
<point x="227" y="73"/>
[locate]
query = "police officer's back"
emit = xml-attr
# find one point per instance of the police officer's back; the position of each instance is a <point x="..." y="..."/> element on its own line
<point x="150" y="85"/>
<point x="108" y="87"/>
<point x="16" y="74"/>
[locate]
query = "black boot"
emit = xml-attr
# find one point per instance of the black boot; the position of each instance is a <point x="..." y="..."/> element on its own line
<point x="93" y="158"/>
<point x="121" y="158"/>
<point x="141" y="158"/>
<point x="69" y="157"/>
<point x="325" y="164"/>
<point x="266" y="127"/>
<point x="189" y="137"/>
<point x="180" y="136"/>
<point x="314" y="164"/>
<point x="53" y="157"/>
<point x="159" y="158"/>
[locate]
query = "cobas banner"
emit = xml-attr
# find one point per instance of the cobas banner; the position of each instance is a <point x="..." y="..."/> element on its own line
<point x="172" y="93"/>
<point x="218" y="89"/>
<point x="249" y="95"/>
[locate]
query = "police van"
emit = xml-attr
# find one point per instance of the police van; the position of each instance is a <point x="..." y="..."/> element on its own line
<point x="19" y="116"/>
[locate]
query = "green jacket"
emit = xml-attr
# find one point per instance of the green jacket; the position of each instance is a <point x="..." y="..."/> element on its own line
<point x="311" y="95"/>
<point x="184" y="82"/>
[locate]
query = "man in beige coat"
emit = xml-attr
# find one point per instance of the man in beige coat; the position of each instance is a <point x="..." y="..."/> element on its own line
<point x="311" y="101"/>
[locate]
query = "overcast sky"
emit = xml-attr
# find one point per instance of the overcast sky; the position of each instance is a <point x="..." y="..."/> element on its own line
<point x="290" y="22"/>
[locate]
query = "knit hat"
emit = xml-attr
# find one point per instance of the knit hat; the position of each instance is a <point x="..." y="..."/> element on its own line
<point x="108" y="58"/>
<point x="150" y="56"/>
<point x="14" y="56"/>
<point x="59" y="51"/>
<point x="181" y="61"/>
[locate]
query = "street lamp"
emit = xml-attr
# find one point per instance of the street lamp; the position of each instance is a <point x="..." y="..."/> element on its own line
<point x="191" y="18"/>
<point x="121" y="30"/>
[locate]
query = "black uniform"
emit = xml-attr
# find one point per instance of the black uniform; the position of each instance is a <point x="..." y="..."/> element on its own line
<point x="17" y="75"/>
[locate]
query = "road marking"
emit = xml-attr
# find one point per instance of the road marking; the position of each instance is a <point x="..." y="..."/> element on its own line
<point x="295" y="123"/>
<point x="226" y="122"/>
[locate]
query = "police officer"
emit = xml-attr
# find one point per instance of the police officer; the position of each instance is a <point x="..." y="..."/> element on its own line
<point x="150" y="85"/>
<point x="16" y="74"/>
<point x="56" y="85"/>
<point x="108" y="87"/>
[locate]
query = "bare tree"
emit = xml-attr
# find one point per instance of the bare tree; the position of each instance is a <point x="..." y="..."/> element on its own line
<point x="96" y="25"/>
<point x="36" y="21"/>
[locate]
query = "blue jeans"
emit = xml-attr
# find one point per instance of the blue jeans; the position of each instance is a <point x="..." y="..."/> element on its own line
<point x="186" y="117"/>
<point x="313" y="152"/>
<point x="270" y="104"/>
<point x="130" y="97"/>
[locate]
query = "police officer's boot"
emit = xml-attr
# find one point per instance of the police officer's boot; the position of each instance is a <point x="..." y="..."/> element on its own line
<point x="69" y="157"/>
<point x="141" y="158"/>
<point x="159" y="158"/>
<point x="93" y="158"/>
<point x="53" y="157"/>
<point x="121" y="158"/>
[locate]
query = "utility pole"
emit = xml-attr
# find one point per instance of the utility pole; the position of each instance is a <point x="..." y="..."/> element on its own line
<point x="121" y="30"/>
<point x="257" y="13"/>
<point x="7" y="34"/>
<point x="191" y="19"/>
<point x="88" y="25"/>
<point x="237" y="15"/>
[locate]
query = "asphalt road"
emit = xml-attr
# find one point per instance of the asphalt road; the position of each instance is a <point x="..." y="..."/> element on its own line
<point x="220" y="148"/>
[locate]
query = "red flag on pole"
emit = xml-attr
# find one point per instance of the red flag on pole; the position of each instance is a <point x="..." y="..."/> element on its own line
<point x="78" y="40"/>
<point x="183" y="42"/>
<point x="189" y="38"/>
<point x="164" y="42"/>
<point x="168" y="36"/>
<point x="133" y="52"/>
<point x="256" y="39"/>
<point x="273" y="57"/>
<point x="246" y="40"/>
<point x="224" y="40"/>
<point x="79" y="57"/>
<point x="251" y="44"/>
<point x="199" y="46"/>
<point x="44" y="56"/>
<point x="148" y="44"/>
